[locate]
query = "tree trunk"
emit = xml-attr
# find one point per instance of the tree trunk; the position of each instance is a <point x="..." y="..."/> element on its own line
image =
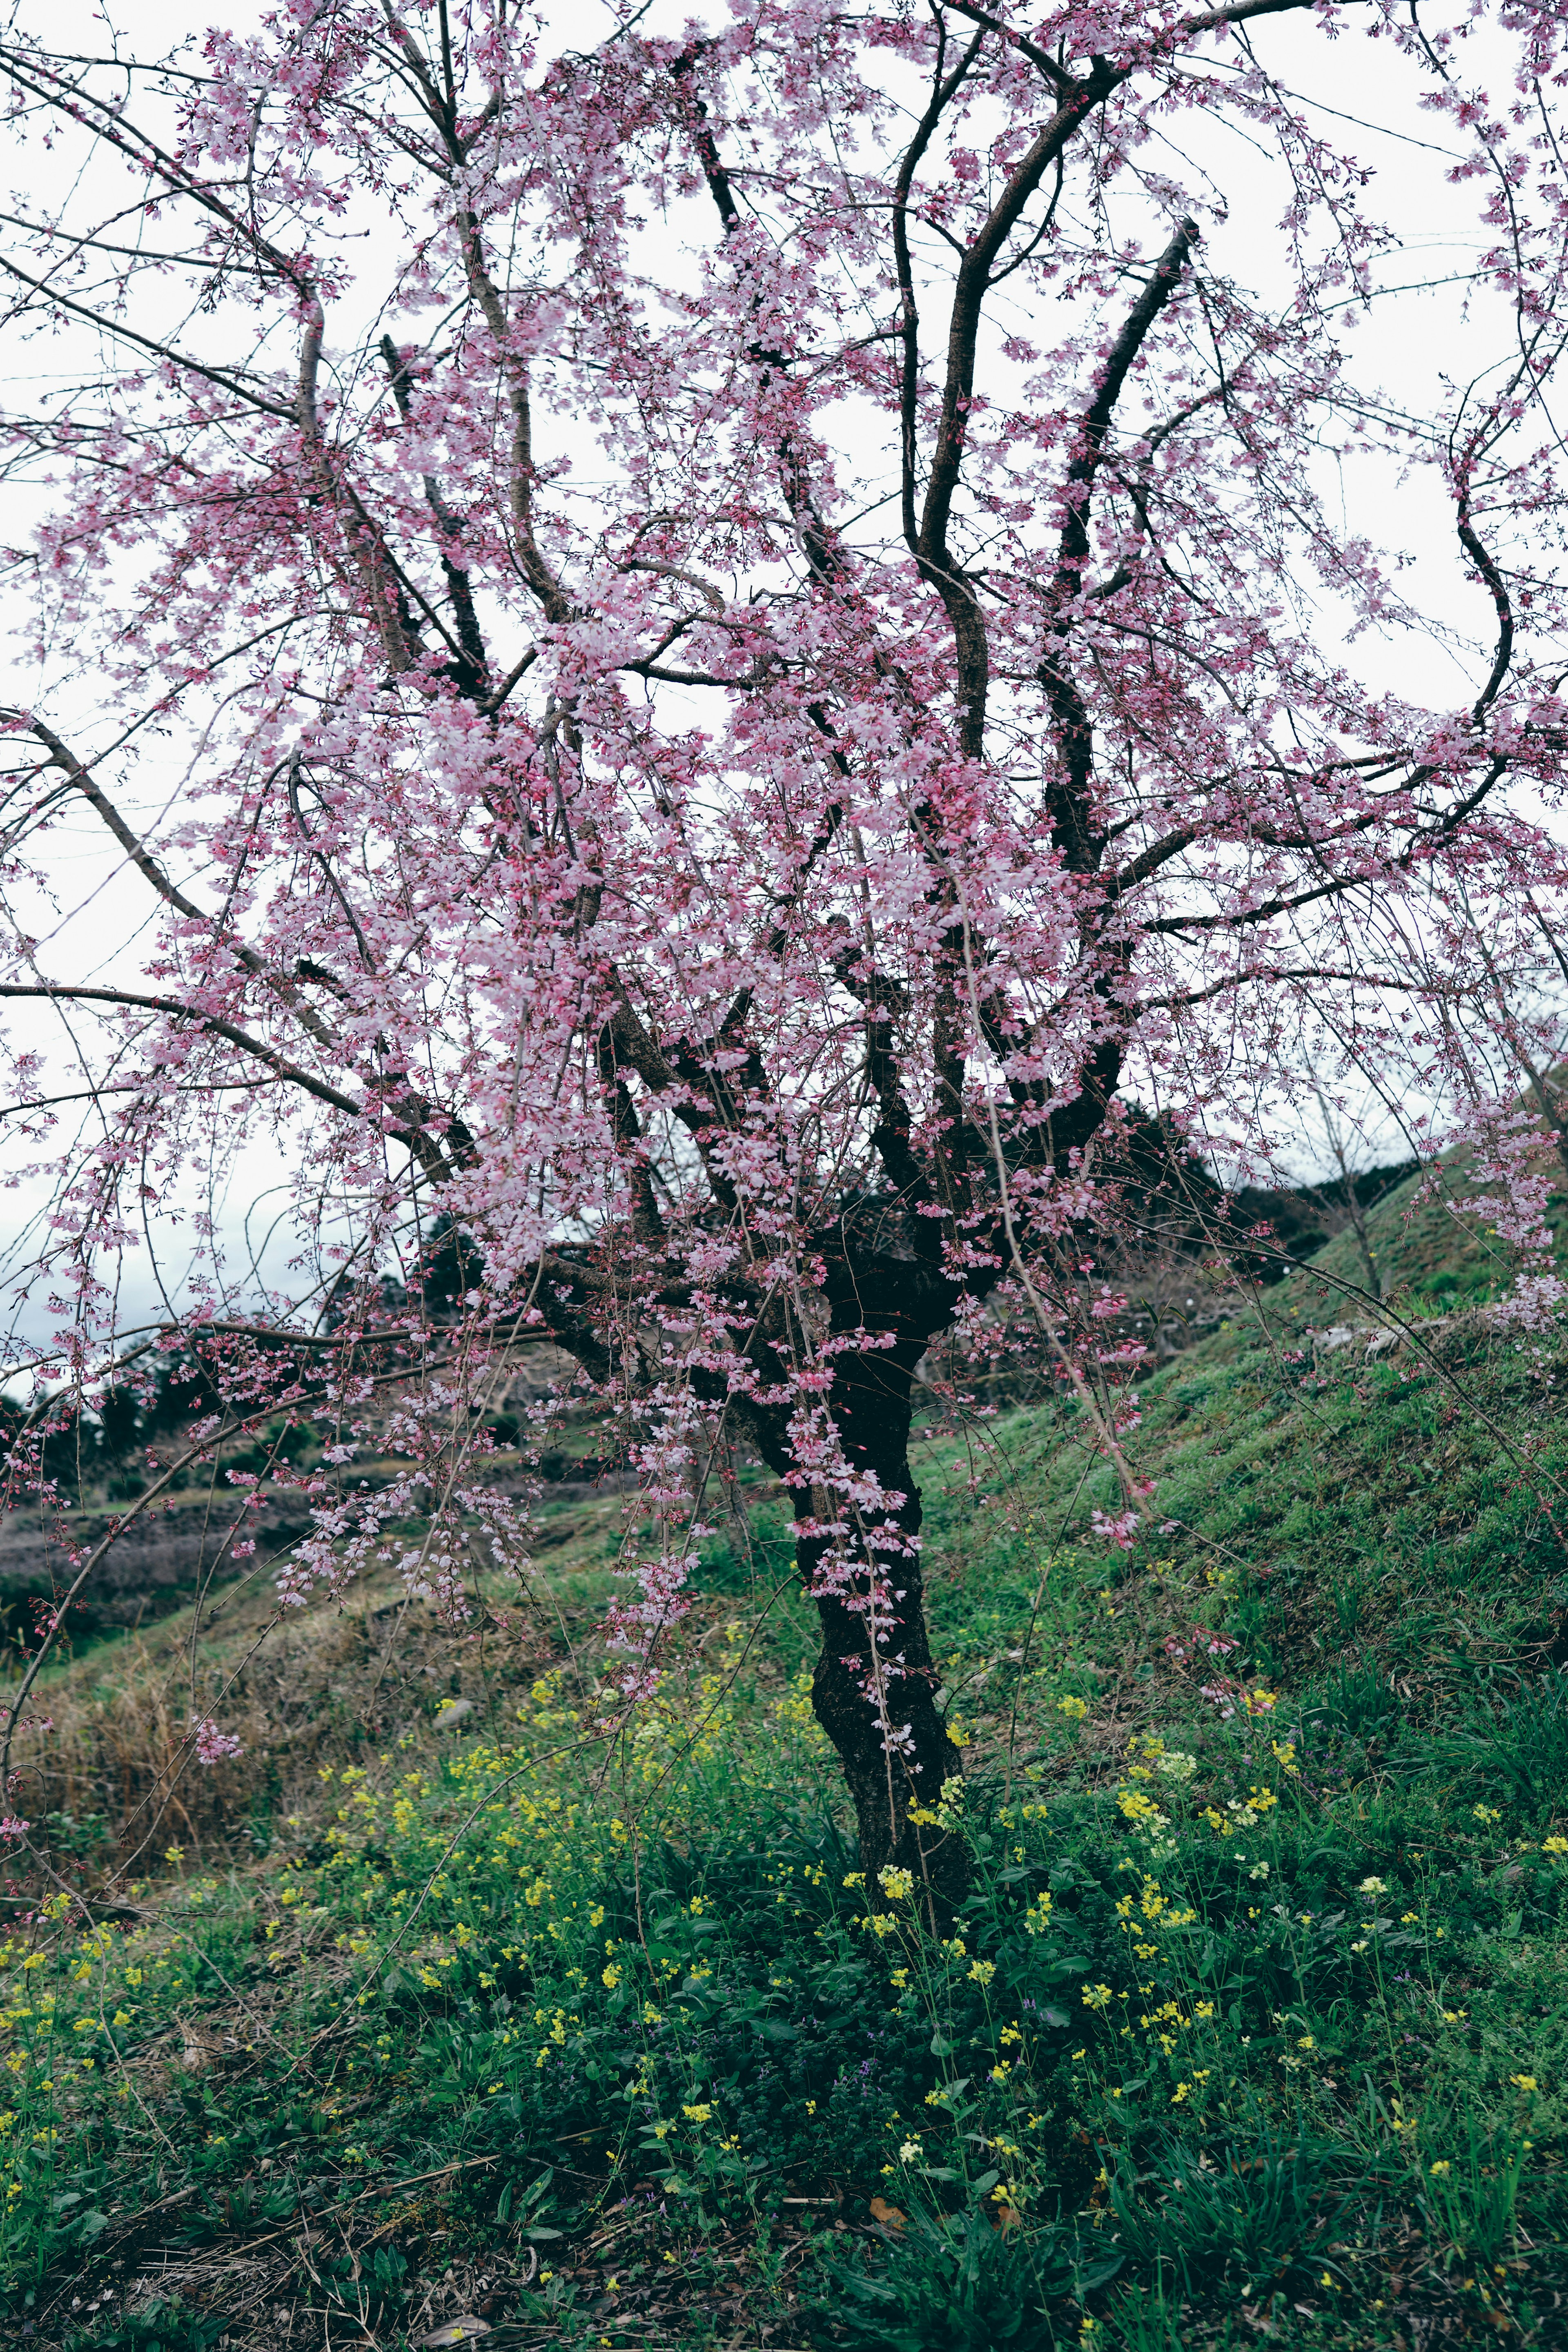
<point x="882" y="1715"/>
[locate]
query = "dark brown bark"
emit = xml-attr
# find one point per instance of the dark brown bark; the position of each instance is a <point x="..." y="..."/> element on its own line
<point x="882" y="1718"/>
<point x="893" y="1746"/>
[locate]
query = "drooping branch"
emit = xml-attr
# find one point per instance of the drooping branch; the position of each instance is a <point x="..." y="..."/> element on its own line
<point x="62" y="757"/>
<point x="132" y="1000"/>
<point x="1079" y="100"/>
<point x="884" y="999"/>
<point x="417" y="1136"/>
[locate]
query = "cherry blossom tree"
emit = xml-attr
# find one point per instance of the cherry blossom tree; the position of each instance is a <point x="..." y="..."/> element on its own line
<point x="715" y="653"/>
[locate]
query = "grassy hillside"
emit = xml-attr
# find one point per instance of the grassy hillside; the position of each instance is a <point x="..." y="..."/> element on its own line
<point x="1255" y="2028"/>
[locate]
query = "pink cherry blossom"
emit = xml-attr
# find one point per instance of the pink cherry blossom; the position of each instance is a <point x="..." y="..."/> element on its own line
<point x="213" y="1746"/>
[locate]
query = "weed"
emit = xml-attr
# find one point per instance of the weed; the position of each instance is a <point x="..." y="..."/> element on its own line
<point x="1519" y="1748"/>
<point x="956" y="2279"/>
<point x="1142" y="2320"/>
<point x="158" y="2326"/>
<point x="1253" y="2215"/>
<point x="1472" y="2194"/>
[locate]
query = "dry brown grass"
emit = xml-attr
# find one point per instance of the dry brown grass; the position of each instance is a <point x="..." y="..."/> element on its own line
<point x="106" y="1767"/>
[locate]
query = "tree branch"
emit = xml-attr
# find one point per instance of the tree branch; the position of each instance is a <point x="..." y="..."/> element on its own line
<point x="1073" y="826"/>
<point x="908" y="378"/>
<point x="213" y="1021"/>
<point x="471" y="676"/>
<point x="415" y="1138"/>
<point x="61" y="756"/>
<point x="1061" y="81"/>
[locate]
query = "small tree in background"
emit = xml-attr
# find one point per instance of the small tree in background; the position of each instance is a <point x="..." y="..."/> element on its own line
<point x="754" y="638"/>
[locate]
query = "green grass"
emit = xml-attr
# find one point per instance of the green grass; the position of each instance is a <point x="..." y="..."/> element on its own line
<point x="1256" y="2020"/>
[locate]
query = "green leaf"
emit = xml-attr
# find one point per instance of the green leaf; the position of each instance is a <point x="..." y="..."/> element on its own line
<point x="1095" y="2275"/>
